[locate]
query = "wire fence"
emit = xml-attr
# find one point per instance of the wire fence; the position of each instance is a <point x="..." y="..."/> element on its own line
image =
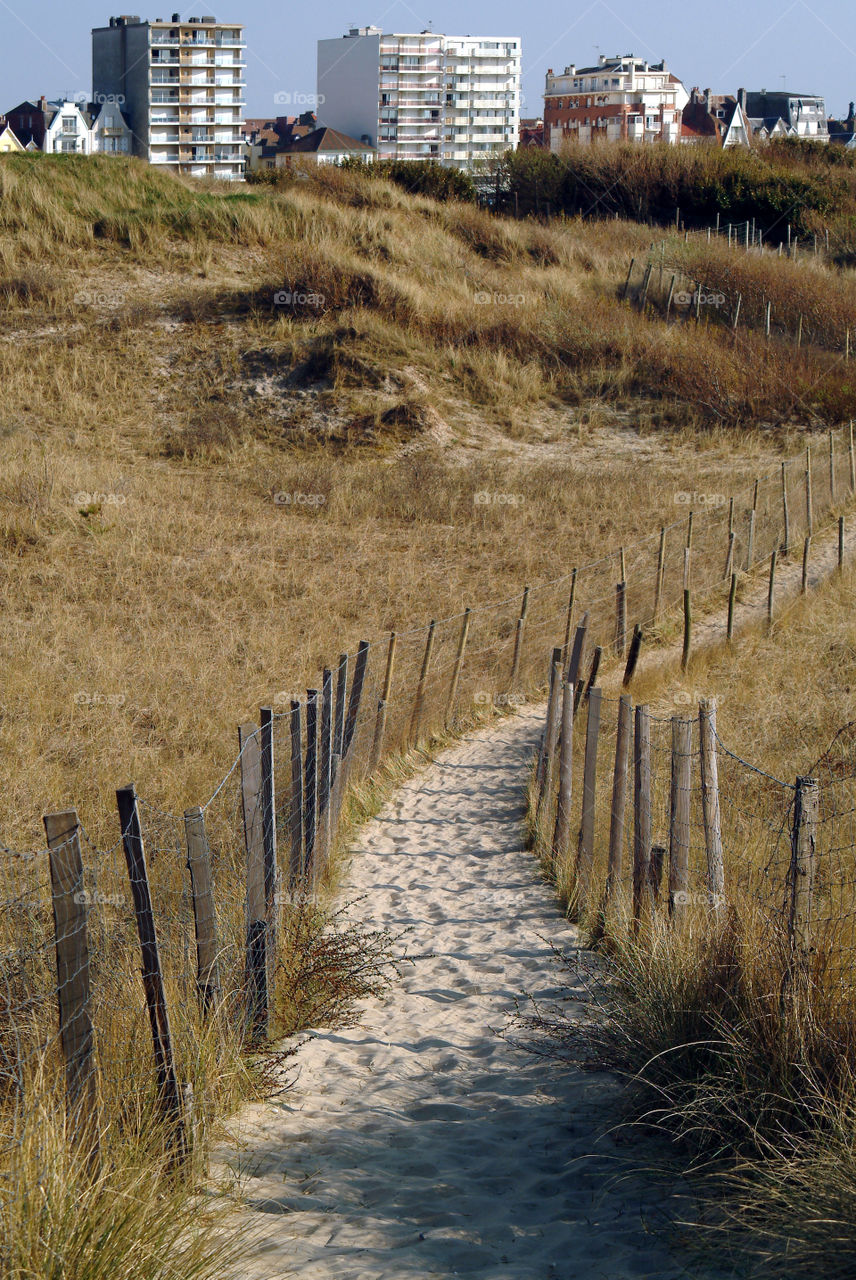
<point x="641" y="818"/>
<point x="122" y="967"/>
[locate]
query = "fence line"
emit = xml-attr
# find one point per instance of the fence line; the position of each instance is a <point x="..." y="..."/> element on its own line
<point x="208" y="898"/>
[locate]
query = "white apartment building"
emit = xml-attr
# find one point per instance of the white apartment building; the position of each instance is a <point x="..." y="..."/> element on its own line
<point x="621" y="99"/>
<point x="425" y="96"/>
<point x="181" y="84"/>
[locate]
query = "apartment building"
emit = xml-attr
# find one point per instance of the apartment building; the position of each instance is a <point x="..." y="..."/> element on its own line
<point x="181" y="84"/>
<point x="425" y="96"/>
<point x="622" y="99"/>
<point x="783" y="114"/>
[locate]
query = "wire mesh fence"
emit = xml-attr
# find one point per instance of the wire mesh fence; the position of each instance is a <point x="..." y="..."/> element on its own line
<point x="170" y="942"/>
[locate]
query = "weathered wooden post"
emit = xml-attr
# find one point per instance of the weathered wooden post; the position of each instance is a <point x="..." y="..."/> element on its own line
<point x="679" y="810"/>
<point x="641" y="810"/>
<point x="518" y="640"/>
<point x="803" y="864"/>
<point x="619" y="801"/>
<point x="786" y="519"/>
<point x="851" y="454"/>
<point x="310" y="782"/>
<point x="831" y="469"/>
<point x="325" y="767"/>
<point x="688" y="623"/>
<point x="750" y="542"/>
<point x="543" y="773"/>
<point x="806" y="549"/>
<point x="296" y="867"/>
<point x="585" y="847"/>
<point x="383" y="702"/>
<point x="732" y="598"/>
<point x="459" y="663"/>
<point x="562" y="829"/>
<point x="419" y="700"/>
<point x="569" y="616"/>
<point x="169" y="1096"/>
<point x="840" y="543"/>
<point x="771" y="587"/>
<point x="257" y="916"/>
<point x="268" y="805"/>
<point x="204" y="913"/>
<point x="809" y="503"/>
<point x="71" y="939"/>
<point x="629" y="275"/>
<point x="710" y="803"/>
<point x="620" y="618"/>
<point x="632" y="656"/>
<point x="661" y="567"/>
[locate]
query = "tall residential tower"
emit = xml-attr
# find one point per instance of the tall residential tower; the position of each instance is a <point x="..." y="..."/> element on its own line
<point x="453" y="99"/>
<point x="181" y="87"/>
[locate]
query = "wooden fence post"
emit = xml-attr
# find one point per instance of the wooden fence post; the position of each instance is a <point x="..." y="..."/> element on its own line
<point x="771" y="587"/>
<point x="671" y="296"/>
<point x="831" y="469"/>
<point x="257" y="916"/>
<point x="809" y="503"/>
<point x="710" y="803"/>
<point x="595" y="667"/>
<point x="786" y="519"/>
<point x="803" y="864"/>
<point x="339" y="721"/>
<point x="619" y="801"/>
<point x="204" y="913"/>
<point x="620" y="618"/>
<point x="737" y="306"/>
<point x="355" y="697"/>
<point x="661" y="568"/>
<point x="840" y="542"/>
<point x="418" y="702"/>
<point x="851" y="454"/>
<point x="268" y="804"/>
<point x="71" y="938"/>
<point x="562" y="829"/>
<point x="750" y="541"/>
<point x="575" y="662"/>
<point x="688" y="623"/>
<point x="632" y="656"/>
<point x="543" y="774"/>
<point x="296" y="868"/>
<point x="456" y="672"/>
<point x="629" y="275"/>
<point x="643" y="296"/>
<point x="135" y="857"/>
<point x="679" y="820"/>
<point x="806" y="549"/>
<point x="518" y="640"/>
<point x="641" y="810"/>
<point x="585" y="846"/>
<point x="732" y="598"/>
<point x="383" y="702"/>
<point x="325" y="766"/>
<point x="569" y="617"/>
<point x="310" y="782"/>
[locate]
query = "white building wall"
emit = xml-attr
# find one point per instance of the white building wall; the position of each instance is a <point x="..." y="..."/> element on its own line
<point x="348" y="85"/>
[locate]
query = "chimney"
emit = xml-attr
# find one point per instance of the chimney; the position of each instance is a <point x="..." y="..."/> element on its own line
<point x="707" y="101"/>
<point x="851" y="117"/>
<point x="741" y="98"/>
<point x="43" y="103"/>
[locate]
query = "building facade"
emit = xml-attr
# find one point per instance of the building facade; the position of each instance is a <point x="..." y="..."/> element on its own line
<point x="622" y="99"/>
<point x="425" y="96"/>
<point x="787" y="115"/>
<point x="181" y="84"/>
<point x="69" y="127"/>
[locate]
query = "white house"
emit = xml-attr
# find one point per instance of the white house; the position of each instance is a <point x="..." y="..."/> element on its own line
<point x="69" y="130"/>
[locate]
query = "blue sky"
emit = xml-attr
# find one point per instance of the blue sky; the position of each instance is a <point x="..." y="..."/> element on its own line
<point x="45" y="46"/>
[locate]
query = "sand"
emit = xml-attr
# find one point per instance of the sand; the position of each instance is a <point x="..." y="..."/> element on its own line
<point x="423" y="1142"/>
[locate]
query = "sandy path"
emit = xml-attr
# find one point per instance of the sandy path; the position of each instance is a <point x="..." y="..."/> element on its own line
<point x="422" y="1143"/>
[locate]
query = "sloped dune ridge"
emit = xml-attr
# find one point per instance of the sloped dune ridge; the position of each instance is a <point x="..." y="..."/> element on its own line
<point x="423" y="1142"/>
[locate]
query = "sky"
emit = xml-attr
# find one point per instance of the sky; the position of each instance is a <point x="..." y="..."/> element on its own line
<point x="45" y="45"/>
